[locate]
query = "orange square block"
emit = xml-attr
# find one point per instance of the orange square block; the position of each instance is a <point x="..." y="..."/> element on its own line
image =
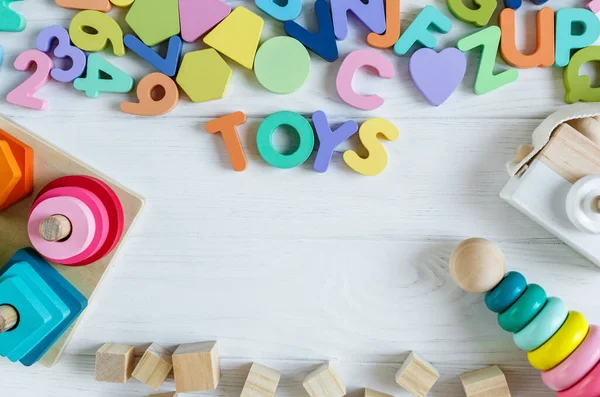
<point x="23" y="155"/>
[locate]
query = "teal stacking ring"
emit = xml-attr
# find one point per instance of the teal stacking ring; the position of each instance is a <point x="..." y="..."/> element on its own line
<point x="524" y="309"/>
<point x="543" y="326"/>
<point x="506" y="293"/>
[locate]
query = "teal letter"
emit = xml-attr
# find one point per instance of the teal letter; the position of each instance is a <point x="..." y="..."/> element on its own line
<point x="418" y="31"/>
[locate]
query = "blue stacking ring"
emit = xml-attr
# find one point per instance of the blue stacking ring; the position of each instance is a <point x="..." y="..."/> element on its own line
<point x="506" y="293"/>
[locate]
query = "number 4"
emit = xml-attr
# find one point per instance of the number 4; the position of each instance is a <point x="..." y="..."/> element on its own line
<point x="94" y="83"/>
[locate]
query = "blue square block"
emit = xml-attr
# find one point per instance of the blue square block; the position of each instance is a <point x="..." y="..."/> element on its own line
<point x="74" y="300"/>
<point x="58" y="310"/>
<point x="33" y="315"/>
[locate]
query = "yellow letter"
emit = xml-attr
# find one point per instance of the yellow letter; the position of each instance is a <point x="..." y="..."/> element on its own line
<point x="377" y="159"/>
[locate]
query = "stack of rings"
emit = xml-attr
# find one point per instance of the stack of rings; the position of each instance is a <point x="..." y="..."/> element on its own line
<point x="559" y="342"/>
<point x="93" y="215"/>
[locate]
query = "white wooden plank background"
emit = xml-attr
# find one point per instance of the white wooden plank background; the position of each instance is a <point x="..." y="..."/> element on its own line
<point x="291" y="268"/>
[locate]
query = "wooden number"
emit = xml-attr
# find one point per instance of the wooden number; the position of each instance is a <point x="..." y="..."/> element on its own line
<point x="23" y="94"/>
<point x="92" y="30"/>
<point x="63" y="49"/>
<point x="149" y="106"/>
<point x="94" y="83"/>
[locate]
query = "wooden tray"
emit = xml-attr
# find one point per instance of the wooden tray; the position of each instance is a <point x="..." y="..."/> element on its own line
<point x="49" y="164"/>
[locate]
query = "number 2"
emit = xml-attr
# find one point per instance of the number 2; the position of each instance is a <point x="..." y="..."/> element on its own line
<point x="23" y="95"/>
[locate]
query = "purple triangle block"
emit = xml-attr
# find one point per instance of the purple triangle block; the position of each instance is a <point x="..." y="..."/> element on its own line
<point x="197" y="17"/>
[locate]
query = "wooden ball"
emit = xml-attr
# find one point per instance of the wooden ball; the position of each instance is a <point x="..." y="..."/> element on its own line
<point x="477" y="265"/>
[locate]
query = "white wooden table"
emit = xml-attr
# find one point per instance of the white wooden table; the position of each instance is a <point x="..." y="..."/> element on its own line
<point x="291" y="268"/>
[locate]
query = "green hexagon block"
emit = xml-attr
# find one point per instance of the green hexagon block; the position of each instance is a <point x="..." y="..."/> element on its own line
<point x="204" y="75"/>
<point x="154" y="21"/>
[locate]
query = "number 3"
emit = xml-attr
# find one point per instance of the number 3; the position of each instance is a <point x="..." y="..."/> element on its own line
<point x="64" y="49"/>
<point x="23" y="94"/>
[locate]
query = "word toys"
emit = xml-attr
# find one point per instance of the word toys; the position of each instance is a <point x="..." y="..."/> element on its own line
<point x="374" y="164"/>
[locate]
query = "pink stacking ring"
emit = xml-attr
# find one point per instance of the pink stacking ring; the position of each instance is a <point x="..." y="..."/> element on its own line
<point x="587" y="387"/>
<point x="82" y="222"/>
<point x="577" y="365"/>
<point x="100" y="216"/>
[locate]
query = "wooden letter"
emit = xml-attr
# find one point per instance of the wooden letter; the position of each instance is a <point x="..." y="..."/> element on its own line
<point x="226" y="125"/>
<point x="543" y="56"/>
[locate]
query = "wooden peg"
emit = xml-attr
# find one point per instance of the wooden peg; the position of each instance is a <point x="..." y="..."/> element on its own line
<point x="55" y="228"/>
<point x="8" y="318"/>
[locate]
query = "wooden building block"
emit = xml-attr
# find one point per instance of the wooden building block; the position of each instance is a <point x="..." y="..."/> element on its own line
<point x="155" y="365"/>
<point x="325" y="381"/>
<point x="261" y="382"/>
<point x="197" y="367"/>
<point x="487" y="382"/>
<point x="168" y="394"/>
<point x="417" y="375"/>
<point x="114" y="363"/>
<point x="374" y="393"/>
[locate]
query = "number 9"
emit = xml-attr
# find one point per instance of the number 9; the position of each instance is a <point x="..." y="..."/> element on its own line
<point x="106" y="29"/>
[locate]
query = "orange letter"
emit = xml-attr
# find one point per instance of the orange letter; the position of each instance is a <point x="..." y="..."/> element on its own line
<point x="226" y="126"/>
<point x="543" y="56"/>
<point x="392" y="32"/>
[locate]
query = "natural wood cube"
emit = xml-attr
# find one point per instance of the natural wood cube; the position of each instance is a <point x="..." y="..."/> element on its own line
<point x="261" y="382"/>
<point x="487" y="382"/>
<point x="325" y="381"/>
<point x="196" y="367"/>
<point x="374" y="393"/>
<point x="417" y="375"/>
<point x="168" y="394"/>
<point x="154" y="367"/>
<point x="114" y="363"/>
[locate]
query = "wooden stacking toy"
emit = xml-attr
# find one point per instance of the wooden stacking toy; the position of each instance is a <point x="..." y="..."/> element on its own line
<point x="44" y="302"/>
<point x="559" y="342"/>
<point x="75" y="221"/>
<point x="75" y="218"/>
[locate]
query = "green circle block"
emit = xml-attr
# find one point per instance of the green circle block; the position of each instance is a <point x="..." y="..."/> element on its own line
<point x="282" y="65"/>
<point x="524" y="309"/>
<point x="265" y="135"/>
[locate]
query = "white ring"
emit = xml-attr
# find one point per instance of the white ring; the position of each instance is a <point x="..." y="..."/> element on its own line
<point x="582" y="204"/>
